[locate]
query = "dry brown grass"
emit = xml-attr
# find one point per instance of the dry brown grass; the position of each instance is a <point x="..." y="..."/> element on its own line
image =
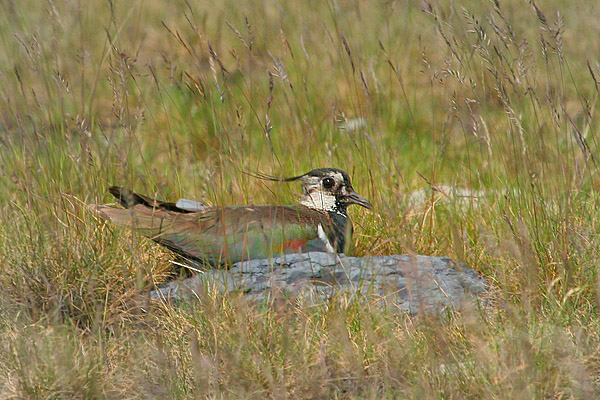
<point x="178" y="99"/>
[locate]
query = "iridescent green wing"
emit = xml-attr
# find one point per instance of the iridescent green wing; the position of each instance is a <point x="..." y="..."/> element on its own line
<point x="232" y="234"/>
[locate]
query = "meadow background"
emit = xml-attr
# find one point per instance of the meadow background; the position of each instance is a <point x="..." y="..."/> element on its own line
<point x="179" y="98"/>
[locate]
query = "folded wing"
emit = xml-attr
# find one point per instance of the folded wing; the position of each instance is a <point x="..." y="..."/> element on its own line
<point x="219" y="235"/>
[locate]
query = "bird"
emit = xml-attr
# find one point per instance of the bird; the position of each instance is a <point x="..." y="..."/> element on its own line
<point x="228" y="234"/>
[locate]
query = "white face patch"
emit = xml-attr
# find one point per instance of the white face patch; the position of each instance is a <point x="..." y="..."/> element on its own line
<point x="319" y="201"/>
<point x="323" y="237"/>
<point x="318" y="197"/>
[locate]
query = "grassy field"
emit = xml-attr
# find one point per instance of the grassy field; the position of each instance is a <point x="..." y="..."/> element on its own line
<point x="178" y="99"/>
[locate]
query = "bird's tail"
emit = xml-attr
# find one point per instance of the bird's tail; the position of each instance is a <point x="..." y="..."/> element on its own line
<point x="142" y="213"/>
<point x="129" y="199"/>
<point x="149" y="222"/>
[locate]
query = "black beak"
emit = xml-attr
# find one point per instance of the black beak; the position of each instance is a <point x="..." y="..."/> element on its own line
<point x="355" y="198"/>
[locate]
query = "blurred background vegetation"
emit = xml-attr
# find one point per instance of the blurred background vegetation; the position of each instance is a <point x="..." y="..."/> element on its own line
<point x="470" y="125"/>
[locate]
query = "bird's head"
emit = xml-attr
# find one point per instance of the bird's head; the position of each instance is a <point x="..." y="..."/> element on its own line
<point x="326" y="189"/>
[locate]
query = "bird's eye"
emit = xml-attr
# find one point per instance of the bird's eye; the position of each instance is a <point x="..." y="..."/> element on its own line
<point x="328" y="183"/>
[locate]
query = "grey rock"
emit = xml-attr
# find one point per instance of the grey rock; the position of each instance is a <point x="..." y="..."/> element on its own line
<point x="412" y="283"/>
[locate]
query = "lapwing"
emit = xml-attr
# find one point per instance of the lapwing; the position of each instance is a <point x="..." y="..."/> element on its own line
<point x="221" y="235"/>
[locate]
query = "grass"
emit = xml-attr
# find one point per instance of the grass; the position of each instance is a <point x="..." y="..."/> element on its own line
<point x="179" y="99"/>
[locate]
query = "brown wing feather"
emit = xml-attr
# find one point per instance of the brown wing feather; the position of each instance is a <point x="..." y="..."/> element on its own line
<point x="208" y="233"/>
